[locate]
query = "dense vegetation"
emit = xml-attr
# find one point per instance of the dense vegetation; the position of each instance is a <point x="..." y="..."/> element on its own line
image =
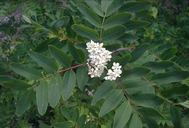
<point x="45" y="78"/>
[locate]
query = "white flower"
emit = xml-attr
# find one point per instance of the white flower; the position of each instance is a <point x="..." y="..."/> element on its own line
<point x="116" y="66"/>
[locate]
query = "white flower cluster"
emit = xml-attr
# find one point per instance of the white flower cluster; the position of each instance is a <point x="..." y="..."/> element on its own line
<point x="98" y="58"/>
<point x="112" y="75"/>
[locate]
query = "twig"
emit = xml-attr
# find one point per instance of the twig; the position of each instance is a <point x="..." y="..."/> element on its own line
<point x="123" y="91"/>
<point x="58" y="73"/>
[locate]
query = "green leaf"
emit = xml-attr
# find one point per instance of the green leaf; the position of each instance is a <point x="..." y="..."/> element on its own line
<point x="26" y="71"/>
<point x="158" y="66"/>
<point x="169" y="77"/>
<point x="135" y="24"/>
<point x="82" y="77"/>
<point x="69" y="31"/>
<point x="136" y="86"/>
<point x="122" y="115"/>
<point x="81" y="121"/>
<point x="95" y="7"/>
<point x="150" y="122"/>
<point x="135" y="121"/>
<point x="60" y="56"/>
<point x="134" y="6"/>
<point x="175" y="91"/>
<point x="77" y="54"/>
<point x="60" y="23"/>
<point x="41" y="125"/>
<point x="147" y="100"/>
<point x="142" y="14"/>
<point x="113" y="33"/>
<point x="86" y="32"/>
<point x="89" y="15"/>
<point x="123" y="60"/>
<point x="112" y="47"/>
<point x="118" y="19"/>
<point x="39" y="27"/>
<point x="176" y="116"/>
<point x="66" y="112"/>
<point x="135" y="73"/>
<point x="169" y="53"/>
<point x="75" y="115"/>
<point x="105" y="4"/>
<point x="24" y="102"/>
<point x="4" y="78"/>
<point x="54" y="90"/>
<point x="111" y="102"/>
<point x="103" y="91"/>
<point x="185" y="104"/>
<point x="42" y="97"/>
<point x="137" y="53"/>
<point x="68" y="85"/>
<point x="49" y="65"/>
<point x="127" y="37"/>
<point x="116" y="4"/>
<point x="67" y="124"/>
<point x="16" y="85"/>
<point x="150" y="112"/>
<point x="43" y="46"/>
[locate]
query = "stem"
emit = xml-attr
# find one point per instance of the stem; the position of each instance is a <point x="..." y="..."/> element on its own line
<point x="66" y="38"/>
<point x="58" y="73"/>
<point x="102" y="27"/>
<point x="154" y="55"/>
<point x="125" y="94"/>
<point x="123" y="91"/>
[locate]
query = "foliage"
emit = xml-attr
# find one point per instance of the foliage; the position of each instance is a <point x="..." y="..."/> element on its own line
<point x="44" y="68"/>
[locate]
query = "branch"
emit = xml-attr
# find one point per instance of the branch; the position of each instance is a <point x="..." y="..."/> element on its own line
<point x="59" y="73"/>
